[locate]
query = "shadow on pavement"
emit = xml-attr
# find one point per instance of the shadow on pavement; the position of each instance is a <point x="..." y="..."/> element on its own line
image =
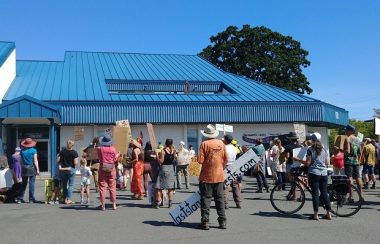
<point x="135" y="205"/>
<point x="279" y="215"/>
<point x="165" y="223"/>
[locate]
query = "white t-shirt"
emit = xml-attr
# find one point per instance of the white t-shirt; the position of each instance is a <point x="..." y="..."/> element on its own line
<point x="6" y="178"/>
<point x="231" y="153"/>
<point x="85" y="173"/>
<point x="277" y="151"/>
<point x="183" y="157"/>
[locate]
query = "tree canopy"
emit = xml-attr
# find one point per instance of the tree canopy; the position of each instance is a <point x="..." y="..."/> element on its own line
<point x="262" y="55"/>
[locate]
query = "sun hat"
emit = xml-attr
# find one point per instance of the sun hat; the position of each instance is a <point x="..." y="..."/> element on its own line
<point x="136" y="144"/>
<point x="182" y="143"/>
<point x="105" y="140"/>
<point x="350" y="128"/>
<point x="210" y="132"/>
<point x="28" y="142"/>
<point x="316" y="136"/>
<point x="292" y="135"/>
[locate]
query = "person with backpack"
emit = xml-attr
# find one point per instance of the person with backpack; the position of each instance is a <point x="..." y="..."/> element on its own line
<point x="351" y="159"/>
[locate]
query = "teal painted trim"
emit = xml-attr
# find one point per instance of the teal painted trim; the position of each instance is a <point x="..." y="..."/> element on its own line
<point x="27" y="107"/>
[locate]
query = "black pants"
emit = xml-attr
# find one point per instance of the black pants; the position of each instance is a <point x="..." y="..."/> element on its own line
<point x="207" y="191"/>
<point x="261" y="180"/>
<point x="318" y="184"/>
<point x="13" y="192"/>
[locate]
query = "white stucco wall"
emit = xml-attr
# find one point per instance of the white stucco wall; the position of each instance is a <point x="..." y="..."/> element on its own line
<point x="7" y="73"/>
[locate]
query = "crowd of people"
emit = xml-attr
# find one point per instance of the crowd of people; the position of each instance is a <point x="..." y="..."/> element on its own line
<point x="154" y="172"/>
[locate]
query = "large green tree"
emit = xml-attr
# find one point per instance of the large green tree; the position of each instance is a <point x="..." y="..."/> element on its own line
<point x="262" y="55"/>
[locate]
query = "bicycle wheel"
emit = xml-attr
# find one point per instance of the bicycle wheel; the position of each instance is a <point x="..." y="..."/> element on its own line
<point x="287" y="198"/>
<point x="342" y="204"/>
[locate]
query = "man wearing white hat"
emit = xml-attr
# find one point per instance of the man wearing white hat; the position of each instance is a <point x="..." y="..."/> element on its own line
<point x="213" y="158"/>
<point x="182" y="165"/>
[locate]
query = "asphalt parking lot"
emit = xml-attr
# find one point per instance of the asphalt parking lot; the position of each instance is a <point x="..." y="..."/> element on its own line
<point x="136" y="222"/>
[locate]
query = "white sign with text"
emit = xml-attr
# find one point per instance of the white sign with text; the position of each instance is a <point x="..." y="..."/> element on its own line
<point x="233" y="172"/>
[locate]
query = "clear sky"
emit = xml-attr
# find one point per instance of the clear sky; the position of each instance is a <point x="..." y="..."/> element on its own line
<point x="342" y="37"/>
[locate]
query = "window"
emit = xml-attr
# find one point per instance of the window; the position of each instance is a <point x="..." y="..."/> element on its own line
<point x="192" y="138"/>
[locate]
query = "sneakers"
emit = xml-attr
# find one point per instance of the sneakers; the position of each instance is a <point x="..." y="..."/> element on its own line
<point x="51" y="202"/>
<point x="238" y="205"/>
<point x="373" y="186"/>
<point x="204" y="226"/>
<point x="365" y="186"/>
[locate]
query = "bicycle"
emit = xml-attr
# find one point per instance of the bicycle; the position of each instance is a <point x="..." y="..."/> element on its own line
<point x="289" y="197"/>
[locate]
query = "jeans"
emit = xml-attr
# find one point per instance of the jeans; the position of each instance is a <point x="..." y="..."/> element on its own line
<point x="318" y="183"/>
<point x="261" y="180"/>
<point x="185" y="171"/>
<point x="281" y="178"/>
<point x="32" y="180"/>
<point x="68" y="177"/>
<point x="207" y="191"/>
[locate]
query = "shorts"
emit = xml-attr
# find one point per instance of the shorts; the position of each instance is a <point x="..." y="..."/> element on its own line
<point x="338" y="171"/>
<point x="85" y="182"/>
<point x="352" y="171"/>
<point x="368" y="169"/>
<point x="57" y="183"/>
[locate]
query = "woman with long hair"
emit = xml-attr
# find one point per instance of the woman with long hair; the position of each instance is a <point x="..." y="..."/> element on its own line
<point x="317" y="161"/>
<point x="138" y="170"/>
<point x="166" y="176"/>
<point x="148" y="151"/>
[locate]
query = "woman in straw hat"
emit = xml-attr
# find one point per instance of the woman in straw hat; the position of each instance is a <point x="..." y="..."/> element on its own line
<point x="107" y="170"/>
<point x="138" y="170"/>
<point x="30" y="168"/>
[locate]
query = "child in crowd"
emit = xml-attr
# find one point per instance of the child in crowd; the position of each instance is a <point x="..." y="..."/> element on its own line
<point x="119" y="173"/>
<point x="85" y="175"/>
<point x="338" y="161"/>
<point x="57" y="186"/>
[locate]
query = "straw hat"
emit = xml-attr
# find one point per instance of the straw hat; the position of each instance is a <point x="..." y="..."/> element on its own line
<point x="210" y="132"/>
<point x="28" y="142"/>
<point x="136" y="144"/>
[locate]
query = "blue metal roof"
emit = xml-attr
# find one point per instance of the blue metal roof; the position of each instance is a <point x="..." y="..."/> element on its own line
<point x="84" y="85"/>
<point x="6" y="49"/>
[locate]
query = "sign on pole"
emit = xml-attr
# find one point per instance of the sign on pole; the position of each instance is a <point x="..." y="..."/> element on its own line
<point x="377" y="126"/>
<point x="224" y="128"/>
<point x="152" y="136"/>
<point x="125" y="123"/>
<point x="120" y="135"/>
<point x="232" y="172"/>
<point x="300" y="131"/>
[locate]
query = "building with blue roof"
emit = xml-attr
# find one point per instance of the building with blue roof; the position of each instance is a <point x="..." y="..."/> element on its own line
<point x="178" y="94"/>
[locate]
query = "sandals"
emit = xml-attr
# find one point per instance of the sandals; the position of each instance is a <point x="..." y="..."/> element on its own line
<point x="101" y="207"/>
<point x="326" y="217"/>
<point x="69" y="202"/>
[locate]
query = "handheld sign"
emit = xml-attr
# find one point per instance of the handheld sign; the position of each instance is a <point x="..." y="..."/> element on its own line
<point x="152" y="136"/>
<point x="193" y="202"/>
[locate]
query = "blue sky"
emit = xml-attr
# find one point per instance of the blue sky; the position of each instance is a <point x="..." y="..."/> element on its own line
<point x="342" y="37"/>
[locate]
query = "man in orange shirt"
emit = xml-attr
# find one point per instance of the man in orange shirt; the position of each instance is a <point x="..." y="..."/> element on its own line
<point x="213" y="158"/>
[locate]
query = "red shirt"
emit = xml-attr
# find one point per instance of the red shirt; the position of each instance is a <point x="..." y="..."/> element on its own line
<point x="338" y="161"/>
<point x="107" y="154"/>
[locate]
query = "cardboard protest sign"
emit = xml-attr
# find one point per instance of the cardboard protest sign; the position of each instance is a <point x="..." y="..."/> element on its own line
<point x="339" y="141"/>
<point x="152" y="136"/>
<point x="193" y="202"/>
<point x="78" y="133"/>
<point x="91" y="154"/>
<point x="300" y="131"/>
<point x="120" y="138"/>
<point x="125" y="123"/>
